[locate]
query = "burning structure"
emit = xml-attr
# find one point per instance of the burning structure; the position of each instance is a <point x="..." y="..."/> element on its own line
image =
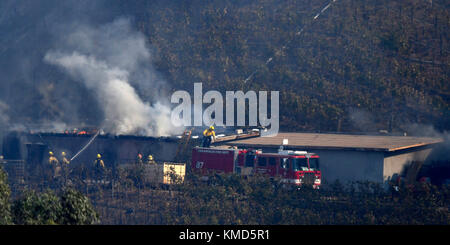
<point x="34" y="147"/>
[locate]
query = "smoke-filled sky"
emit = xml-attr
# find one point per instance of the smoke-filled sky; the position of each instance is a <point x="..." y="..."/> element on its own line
<point x="103" y="69"/>
<point x="104" y="59"/>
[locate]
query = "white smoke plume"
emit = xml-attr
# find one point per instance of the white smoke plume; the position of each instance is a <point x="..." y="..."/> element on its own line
<point x="440" y="152"/>
<point x="362" y="120"/>
<point x="105" y="59"/>
<point x="424" y="130"/>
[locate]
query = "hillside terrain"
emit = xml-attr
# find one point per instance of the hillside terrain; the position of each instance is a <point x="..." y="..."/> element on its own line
<point x="360" y="66"/>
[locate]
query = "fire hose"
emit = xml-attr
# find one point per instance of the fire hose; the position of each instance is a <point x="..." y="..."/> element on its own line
<point x="86" y="146"/>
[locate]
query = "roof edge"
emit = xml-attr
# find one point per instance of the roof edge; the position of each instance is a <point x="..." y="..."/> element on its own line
<point x="336" y="147"/>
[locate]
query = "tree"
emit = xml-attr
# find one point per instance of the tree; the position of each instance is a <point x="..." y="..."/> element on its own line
<point x="77" y="209"/>
<point x="5" y="192"/>
<point x="70" y="207"/>
<point x="37" y="209"/>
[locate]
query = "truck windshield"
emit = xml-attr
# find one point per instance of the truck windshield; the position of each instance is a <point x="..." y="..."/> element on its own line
<point x="314" y="163"/>
<point x="299" y="164"/>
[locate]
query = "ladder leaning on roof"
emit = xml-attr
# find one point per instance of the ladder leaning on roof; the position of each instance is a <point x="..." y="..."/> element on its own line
<point x="184" y="141"/>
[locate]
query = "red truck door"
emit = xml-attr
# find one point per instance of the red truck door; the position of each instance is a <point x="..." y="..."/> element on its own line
<point x="267" y="164"/>
<point x="261" y="165"/>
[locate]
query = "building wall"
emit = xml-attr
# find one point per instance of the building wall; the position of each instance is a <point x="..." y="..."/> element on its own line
<point x="120" y="149"/>
<point x="117" y="150"/>
<point x="394" y="163"/>
<point x="349" y="166"/>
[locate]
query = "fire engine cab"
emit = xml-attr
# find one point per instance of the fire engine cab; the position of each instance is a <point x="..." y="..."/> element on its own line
<point x="295" y="167"/>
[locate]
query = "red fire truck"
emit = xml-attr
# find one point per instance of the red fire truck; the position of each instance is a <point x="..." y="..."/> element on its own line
<point x="296" y="167"/>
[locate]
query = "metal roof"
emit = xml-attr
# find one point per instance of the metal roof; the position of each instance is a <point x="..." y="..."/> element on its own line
<point x="338" y="141"/>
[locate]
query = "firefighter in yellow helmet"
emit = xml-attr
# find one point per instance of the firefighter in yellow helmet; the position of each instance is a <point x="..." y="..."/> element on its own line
<point x="64" y="159"/>
<point x="65" y="165"/>
<point x="99" y="162"/>
<point x="150" y="160"/>
<point x="208" y="136"/>
<point x="52" y="160"/>
<point x="99" y="166"/>
<point x="55" y="168"/>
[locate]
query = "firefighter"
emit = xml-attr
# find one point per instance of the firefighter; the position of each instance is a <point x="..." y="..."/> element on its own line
<point x="65" y="164"/>
<point x="208" y="136"/>
<point x="64" y="159"/>
<point x="52" y="160"/>
<point x="99" y="161"/>
<point x="394" y="185"/>
<point x="54" y="165"/>
<point x="139" y="159"/>
<point x="99" y="166"/>
<point x="150" y="160"/>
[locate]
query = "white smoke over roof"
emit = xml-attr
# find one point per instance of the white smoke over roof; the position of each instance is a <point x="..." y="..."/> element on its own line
<point x="105" y="60"/>
<point x="440" y="152"/>
<point x="362" y="120"/>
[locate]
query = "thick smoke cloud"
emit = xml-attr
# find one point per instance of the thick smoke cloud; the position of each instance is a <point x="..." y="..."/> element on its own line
<point x="103" y="59"/>
<point x="39" y="93"/>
